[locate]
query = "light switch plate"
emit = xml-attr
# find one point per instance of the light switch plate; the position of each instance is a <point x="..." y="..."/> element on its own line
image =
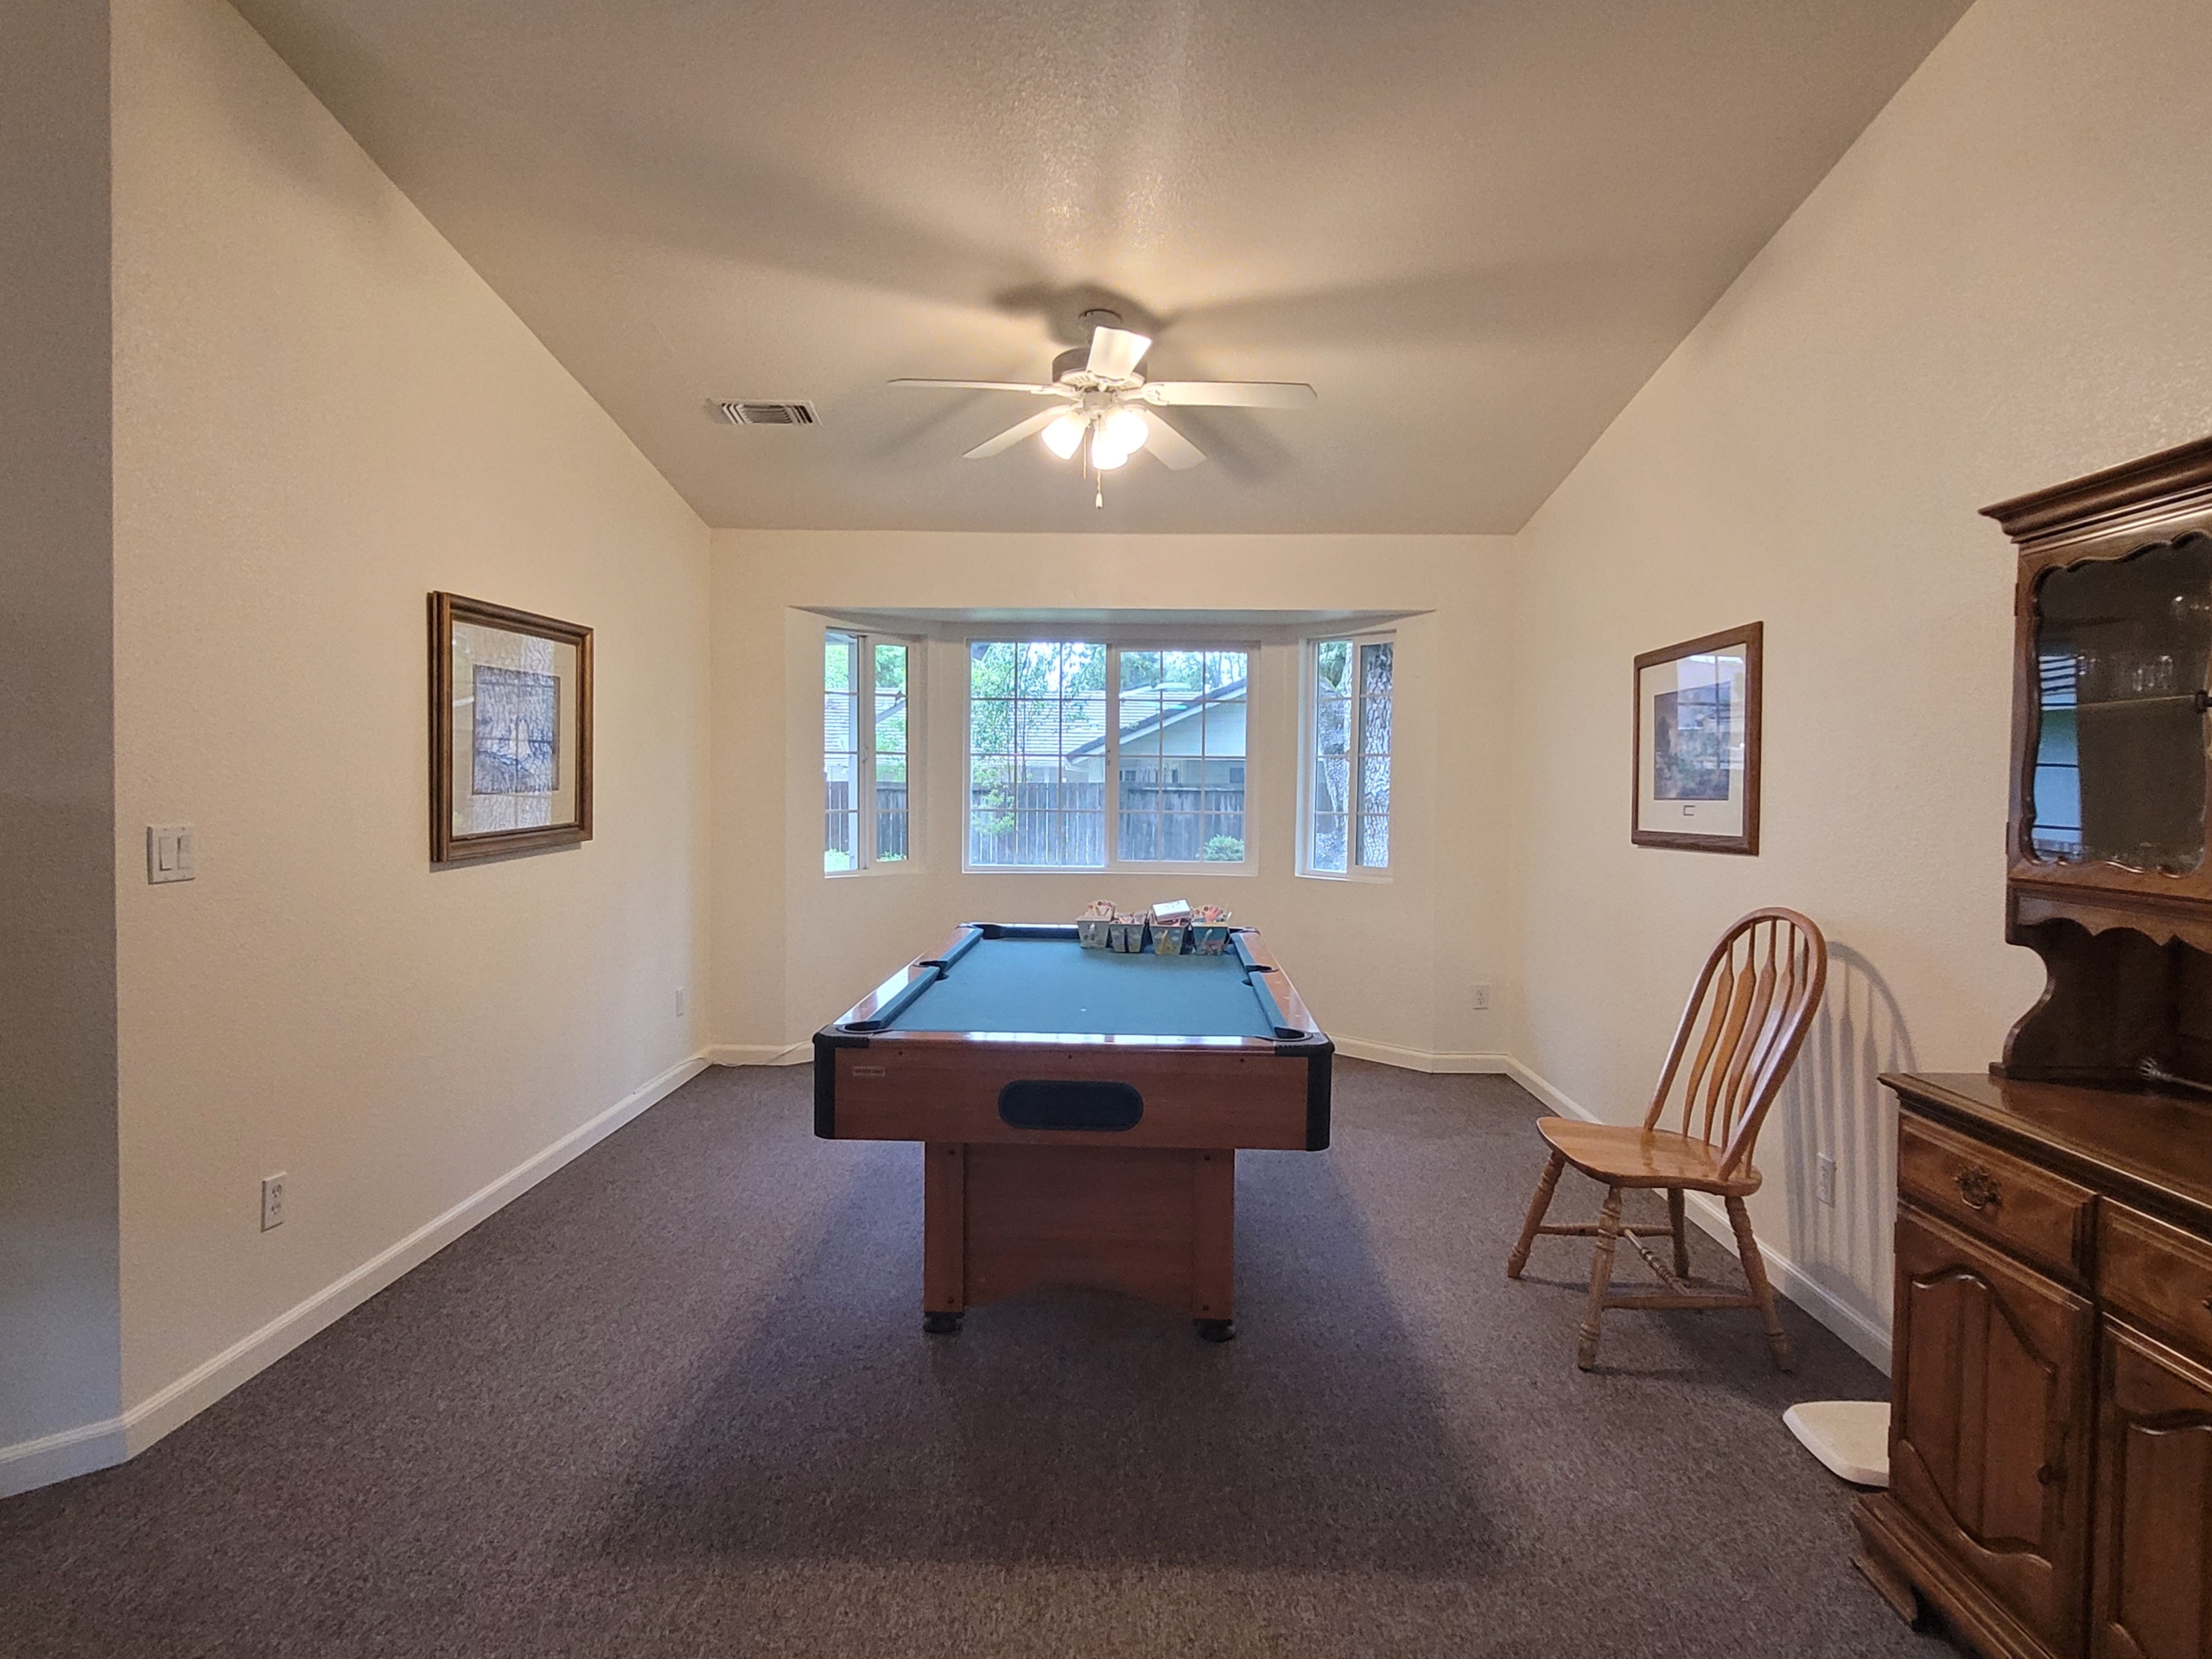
<point x="169" y="852"/>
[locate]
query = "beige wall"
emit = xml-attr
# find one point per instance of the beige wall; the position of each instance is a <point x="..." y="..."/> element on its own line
<point x="2004" y="283"/>
<point x="321" y="414"/>
<point x="57" y="1297"/>
<point x="1386" y="964"/>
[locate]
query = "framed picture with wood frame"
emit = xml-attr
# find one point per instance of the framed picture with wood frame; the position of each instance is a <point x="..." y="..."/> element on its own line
<point x="510" y="730"/>
<point x="1696" y="780"/>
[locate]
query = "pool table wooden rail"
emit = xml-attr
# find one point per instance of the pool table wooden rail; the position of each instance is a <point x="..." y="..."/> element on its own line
<point x="1241" y="1096"/>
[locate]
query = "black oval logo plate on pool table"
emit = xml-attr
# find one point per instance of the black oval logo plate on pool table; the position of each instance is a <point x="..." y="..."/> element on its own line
<point x="1059" y="1103"/>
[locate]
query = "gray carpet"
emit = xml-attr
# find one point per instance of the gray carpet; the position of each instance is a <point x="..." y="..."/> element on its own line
<point x="677" y="1401"/>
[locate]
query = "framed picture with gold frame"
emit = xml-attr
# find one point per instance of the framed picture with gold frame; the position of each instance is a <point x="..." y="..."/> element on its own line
<point x="1696" y="777"/>
<point x="510" y="730"/>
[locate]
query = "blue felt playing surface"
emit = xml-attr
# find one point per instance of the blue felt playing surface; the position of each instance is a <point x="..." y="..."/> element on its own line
<point x="1054" y="985"/>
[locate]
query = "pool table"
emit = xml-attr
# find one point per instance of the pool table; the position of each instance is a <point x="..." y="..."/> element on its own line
<point x="1080" y="1110"/>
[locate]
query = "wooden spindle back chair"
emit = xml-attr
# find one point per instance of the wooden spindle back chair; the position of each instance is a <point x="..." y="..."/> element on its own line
<point x="1739" y="1034"/>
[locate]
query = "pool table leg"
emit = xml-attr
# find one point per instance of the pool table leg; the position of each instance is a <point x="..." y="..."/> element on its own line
<point x="944" y="1236"/>
<point x="1213" y="1261"/>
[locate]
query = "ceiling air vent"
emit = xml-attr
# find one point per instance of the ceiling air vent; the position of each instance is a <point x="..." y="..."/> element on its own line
<point x="770" y="414"/>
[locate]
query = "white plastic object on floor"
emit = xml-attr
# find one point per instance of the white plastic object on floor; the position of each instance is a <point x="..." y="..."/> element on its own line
<point x="1851" y="1437"/>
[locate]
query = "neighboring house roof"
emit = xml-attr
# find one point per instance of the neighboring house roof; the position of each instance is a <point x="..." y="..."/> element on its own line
<point x="1232" y="692"/>
<point x="836" y="719"/>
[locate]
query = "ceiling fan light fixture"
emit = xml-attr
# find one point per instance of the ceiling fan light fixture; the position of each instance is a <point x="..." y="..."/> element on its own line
<point x="1124" y="429"/>
<point x="1105" y="457"/>
<point x="1064" y="436"/>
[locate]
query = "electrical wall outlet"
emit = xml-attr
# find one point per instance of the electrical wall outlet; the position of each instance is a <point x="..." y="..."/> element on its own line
<point x="679" y="1002"/>
<point x="1824" y="1178"/>
<point x="169" y="852"/>
<point x="273" y="1201"/>
<point x="1481" y="998"/>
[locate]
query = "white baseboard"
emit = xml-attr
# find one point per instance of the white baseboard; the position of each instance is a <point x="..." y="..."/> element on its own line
<point x="57" y="1457"/>
<point x="761" y="1053"/>
<point x="1870" y="1339"/>
<point x="95" y="1446"/>
<point x="1419" y="1060"/>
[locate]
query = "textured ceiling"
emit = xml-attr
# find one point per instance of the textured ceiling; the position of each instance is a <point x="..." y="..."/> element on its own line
<point x="1475" y="228"/>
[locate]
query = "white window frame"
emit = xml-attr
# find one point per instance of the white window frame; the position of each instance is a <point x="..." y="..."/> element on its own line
<point x="1309" y="713"/>
<point x="865" y="860"/>
<point x="1110" y="835"/>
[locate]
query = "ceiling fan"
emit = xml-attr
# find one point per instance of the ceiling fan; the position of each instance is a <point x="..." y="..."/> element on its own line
<point x="1102" y="404"/>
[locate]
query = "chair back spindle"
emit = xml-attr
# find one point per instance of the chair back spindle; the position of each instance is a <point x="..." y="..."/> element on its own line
<point x="1749" y="1012"/>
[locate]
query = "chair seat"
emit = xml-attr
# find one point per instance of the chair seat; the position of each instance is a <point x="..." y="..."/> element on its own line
<point x="1621" y="1156"/>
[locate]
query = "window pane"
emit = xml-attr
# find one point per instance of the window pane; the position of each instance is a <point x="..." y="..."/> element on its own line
<point x="1332" y="726"/>
<point x="1037" y="753"/>
<point x="1375" y="784"/>
<point x="1224" y="727"/>
<point x="840" y="751"/>
<point x="1329" y="842"/>
<point x="1178" y="711"/>
<point x="1375" y="725"/>
<point x="890" y="700"/>
<point x="839" y="815"/>
<point x="991" y="726"/>
<point x="1375" y="843"/>
<point x="890" y="668"/>
<point x="1332" y="786"/>
<point x="1332" y="657"/>
<point x="990" y="669"/>
<point x="891" y="808"/>
<point x="1375" y="669"/>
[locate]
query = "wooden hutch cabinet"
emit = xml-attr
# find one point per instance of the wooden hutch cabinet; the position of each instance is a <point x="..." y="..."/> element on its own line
<point x="2051" y="1424"/>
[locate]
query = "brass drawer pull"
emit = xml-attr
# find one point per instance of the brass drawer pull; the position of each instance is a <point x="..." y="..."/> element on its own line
<point x="1978" y="1187"/>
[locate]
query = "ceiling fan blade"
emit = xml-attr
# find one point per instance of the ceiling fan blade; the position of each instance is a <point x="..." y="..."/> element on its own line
<point x="1174" y="451"/>
<point x="1116" y="353"/>
<point x="1013" y="435"/>
<point x="988" y="385"/>
<point x="1231" y="394"/>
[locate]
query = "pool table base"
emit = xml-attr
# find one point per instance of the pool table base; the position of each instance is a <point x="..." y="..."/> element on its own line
<point x="1154" y="1222"/>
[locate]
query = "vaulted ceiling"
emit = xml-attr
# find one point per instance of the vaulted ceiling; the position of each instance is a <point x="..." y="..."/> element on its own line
<point x="1475" y="228"/>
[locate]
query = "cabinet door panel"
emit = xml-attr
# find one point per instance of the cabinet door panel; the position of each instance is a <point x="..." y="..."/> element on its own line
<point x="1989" y="1437"/>
<point x="2154" y="1546"/>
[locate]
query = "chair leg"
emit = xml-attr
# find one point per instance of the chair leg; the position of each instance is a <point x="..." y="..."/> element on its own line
<point x="1762" y="1292"/>
<point x="1537" y="1206"/>
<point x="1601" y="1276"/>
<point x="1681" y="1238"/>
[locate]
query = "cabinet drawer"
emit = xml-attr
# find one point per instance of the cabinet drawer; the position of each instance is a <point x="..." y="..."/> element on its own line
<point x="2005" y="1199"/>
<point x="2158" y="1274"/>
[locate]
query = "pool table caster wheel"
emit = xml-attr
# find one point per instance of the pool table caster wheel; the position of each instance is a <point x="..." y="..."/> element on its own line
<point x="941" y="1325"/>
<point x="1216" y="1329"/>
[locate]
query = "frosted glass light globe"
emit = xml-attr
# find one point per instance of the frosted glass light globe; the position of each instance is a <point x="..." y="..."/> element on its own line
<point x="1064" y="435"/>
<point x="1106" y="458"/>
<point x="1124" y="429"/>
